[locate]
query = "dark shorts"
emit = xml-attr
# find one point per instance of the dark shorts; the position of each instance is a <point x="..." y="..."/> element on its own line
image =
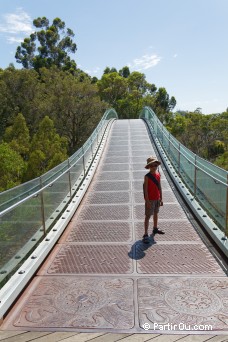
<point x="154" y="207"/>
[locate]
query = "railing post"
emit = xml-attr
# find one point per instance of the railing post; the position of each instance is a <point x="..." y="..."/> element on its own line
<point x="169" y="143"/>
<point x="179" y="158"/>
<point x="195" y="177"/>
<point x="92" y="146"/>
<point x="97" y="135"/>
<point x="42" y="207"/>
<point x="83" y="160"/>
<point x="69" y="177"/>
<point x="226" y="222"/>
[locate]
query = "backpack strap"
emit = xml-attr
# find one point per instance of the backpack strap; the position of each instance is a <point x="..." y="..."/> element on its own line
<point x="149" y="175"/>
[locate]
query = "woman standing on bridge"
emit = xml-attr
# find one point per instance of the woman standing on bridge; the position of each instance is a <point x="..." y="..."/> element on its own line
<point x="152" y="196"/>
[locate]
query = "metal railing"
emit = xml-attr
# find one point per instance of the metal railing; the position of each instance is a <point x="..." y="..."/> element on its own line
<point x="28" y="211"/>
<point x="205" y="181"/>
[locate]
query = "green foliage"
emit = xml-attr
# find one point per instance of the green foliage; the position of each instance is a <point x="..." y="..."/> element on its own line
<point x="17" y="136"/>
<point x="205" y="135"/>
<point x="124" y="72"/>
<point x="74" y="106"/>
<point x="112" y="87"/>
<point x="12" y="167"/>
<point x="48" y="149"/>
<point x="49" y="46"/>
<point x="129" y="92"/>
<point x="20" y="92"/>
<point x="222" y="160"/>
<point x="162" y="105"/>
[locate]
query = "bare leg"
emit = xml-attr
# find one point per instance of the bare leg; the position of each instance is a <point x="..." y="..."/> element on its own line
<point x="146" y="224"/>
<point x="155" y="217"/>
<point x="156" y="230"/>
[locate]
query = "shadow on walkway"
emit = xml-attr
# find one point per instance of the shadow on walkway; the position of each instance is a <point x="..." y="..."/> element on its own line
<point x="138" y="249"/>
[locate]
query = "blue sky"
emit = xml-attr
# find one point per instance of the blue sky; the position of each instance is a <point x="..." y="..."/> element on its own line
<point x="181" y="45"/>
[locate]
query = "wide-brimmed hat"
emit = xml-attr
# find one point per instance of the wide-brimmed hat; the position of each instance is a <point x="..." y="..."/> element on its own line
<point x="152" y="160"/>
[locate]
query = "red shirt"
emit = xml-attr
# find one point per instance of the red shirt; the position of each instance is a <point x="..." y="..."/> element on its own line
<point x="153" y="192"/>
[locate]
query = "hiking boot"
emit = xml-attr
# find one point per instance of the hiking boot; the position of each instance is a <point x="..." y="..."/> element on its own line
<point x="146" y="238"/>
<point x="158" y="231"/>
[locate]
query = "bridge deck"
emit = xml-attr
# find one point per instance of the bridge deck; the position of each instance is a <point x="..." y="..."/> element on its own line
<point x="100" y="278"/>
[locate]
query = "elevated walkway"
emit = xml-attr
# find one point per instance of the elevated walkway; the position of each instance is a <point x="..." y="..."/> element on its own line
<point x="100" y="277"/>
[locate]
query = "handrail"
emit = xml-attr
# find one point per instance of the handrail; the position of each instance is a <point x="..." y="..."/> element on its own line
<point x="31" y="217"/>
<point x="198" y="167"/>
<point x="107" y="112"/>
<point x="37" y="192"/>
<point x="213" y="199"/>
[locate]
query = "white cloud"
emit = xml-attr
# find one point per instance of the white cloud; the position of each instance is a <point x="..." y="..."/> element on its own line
<point x="12" y="40"/>
<point x="145" y="62"/>
<point x="14" y="24"/>
<point x="175" y="55"/>
<point x="95" y="71"/>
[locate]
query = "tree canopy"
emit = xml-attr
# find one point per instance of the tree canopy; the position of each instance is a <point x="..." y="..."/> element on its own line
<point x="51" y="45"/>
<point x="47" y="149"/>
<point x="49" y="108"/>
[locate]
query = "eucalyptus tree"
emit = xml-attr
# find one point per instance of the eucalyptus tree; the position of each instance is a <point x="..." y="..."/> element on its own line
<point x="20" y="92"/>
<point x="125" y="72"/>
<point x="17" y="136"/>
<point x="47" y="149"/>
<point x="12" y="167"/>
<point x="112" y="87"/>
<point x="73" y="105"/>
<point x="51" y="45"/>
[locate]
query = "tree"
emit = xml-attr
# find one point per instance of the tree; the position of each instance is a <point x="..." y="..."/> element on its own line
<point x="17" y="136"/>
<point x="48" y="149"/>
<point x="137" y="81"/>
<point x="75" y="107"/>
<point x="124" y="72"/>
<point x="20" y="92"/>
<point x="112" y="87"/>
<point x="222" y="161"/>
<point x="107" y="70"/>
<point x="162" y="104"/>
<point x="136" y="89"/>
<point x="49" y="46"/>
<point x="12" y="167"/>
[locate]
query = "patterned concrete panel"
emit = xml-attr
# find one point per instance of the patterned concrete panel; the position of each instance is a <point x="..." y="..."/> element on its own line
<point x="107" y="197"/>
<point x="117" y="147"/>
<point x="168" y="211"/>
<point x="114" y="160"/>
<point x="70" y="302"/>
<point x="174" y="304"/>
<point x="142" y="154"/>
<point x="122" y="139"/>
<point x="145" y="143"/>
<point x="105" y="212"/>
<point x="139" y="175"/>
<point x="179" y="230"/>
<point x="115" y="167"/>
<point x="141" y="151"/>
<point x="89" y="259"/>
<point x="137" y="166"/>
<point x="111" y="186"/>
<point x="112" y="154"/>
<point x="98" y="232"/>
<point x="175" y="258"/>
<point x="123" y="175"/>
<point x="141" y="160"/>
